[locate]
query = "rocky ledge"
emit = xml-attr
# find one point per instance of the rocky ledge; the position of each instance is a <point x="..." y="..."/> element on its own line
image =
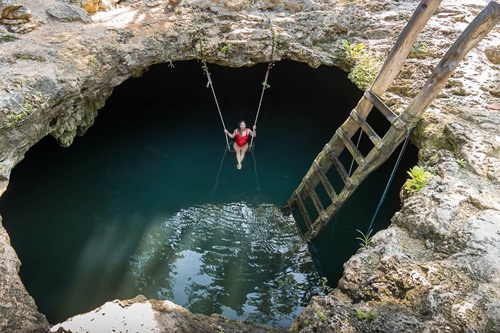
<point x="435" y="269"/>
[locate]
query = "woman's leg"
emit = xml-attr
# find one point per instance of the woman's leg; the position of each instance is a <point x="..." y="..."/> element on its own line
<point x="243" y="151"/>
<point x="237" y="150"/>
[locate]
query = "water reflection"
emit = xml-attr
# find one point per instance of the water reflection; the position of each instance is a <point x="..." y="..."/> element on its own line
<point x="243" y="262"/>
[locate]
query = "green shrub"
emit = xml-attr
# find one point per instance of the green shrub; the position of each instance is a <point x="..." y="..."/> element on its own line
<point x="360" y="314"/>
<point x="418" y="179"/>
<point x="364" y="67"/>
<point x="365" y="239"/>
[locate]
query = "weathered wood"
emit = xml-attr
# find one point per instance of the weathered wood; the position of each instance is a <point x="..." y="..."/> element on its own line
<point x="314" y="197"/>
<point x="303" y="210"/>
<point x="338" y="165"/>
<point x="369" y="131"/>
<point x="482" y="24"/>
<point x="360" y="159"/>
<point x="384" y="109"/>
<point x="326" y="183"/>
<point x="392" y="66"/>
<point x="479" y="27"/>
<point x="402" y="48"/>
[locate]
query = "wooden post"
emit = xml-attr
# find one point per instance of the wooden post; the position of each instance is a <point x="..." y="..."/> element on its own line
<point x="482" y="24"/>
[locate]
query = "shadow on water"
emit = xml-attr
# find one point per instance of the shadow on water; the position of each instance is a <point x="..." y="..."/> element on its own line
<point x="130" y="208"/>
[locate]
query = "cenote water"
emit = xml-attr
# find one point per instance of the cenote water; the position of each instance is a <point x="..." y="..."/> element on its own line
<point x="149" y="202"/>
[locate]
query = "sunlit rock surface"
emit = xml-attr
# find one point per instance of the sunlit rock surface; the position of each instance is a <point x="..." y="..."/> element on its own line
<point x="434" y="269"/>
<point x="142" y="315"/>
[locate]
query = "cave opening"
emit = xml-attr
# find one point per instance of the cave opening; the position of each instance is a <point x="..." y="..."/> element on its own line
<point x="149" y="202"/>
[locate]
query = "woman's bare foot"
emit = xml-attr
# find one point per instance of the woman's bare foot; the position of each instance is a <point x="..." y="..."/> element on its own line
<point x="238" y="166"/>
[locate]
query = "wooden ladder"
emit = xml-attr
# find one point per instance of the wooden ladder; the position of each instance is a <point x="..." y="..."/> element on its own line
<point x="400" y="125"/>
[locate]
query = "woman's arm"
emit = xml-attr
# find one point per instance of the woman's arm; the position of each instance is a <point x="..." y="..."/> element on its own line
<point x="229" y="134"/>
<point x="253" y="133"/>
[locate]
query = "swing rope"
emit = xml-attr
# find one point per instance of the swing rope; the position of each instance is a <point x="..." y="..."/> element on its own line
<point x="405" y="144"/>
<point x="264" y="84"/>
<point x="264" y="87"/>
<point x="209" y="83"/>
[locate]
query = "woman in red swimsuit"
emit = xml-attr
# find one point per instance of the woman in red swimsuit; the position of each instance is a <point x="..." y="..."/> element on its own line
<point x="242" y="134"/>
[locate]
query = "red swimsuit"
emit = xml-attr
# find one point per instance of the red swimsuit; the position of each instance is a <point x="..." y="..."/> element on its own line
<point x="241" y="141"/>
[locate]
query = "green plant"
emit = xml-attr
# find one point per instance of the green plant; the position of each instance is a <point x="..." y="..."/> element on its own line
<point x="365" y="239"/>
<point x="94" y="62"/>
<point x="5" y="37"/>
<point x="419" y="51"/>
<point x="461" y="162"/>
<point x="352" y="51"/>
<point x="29" y="56"/>
<point x="418" y="179"/>
<point x="364" y="72"/>
<point x="364" y="66"/>
<point x="307" y="321"/>
<point x="275" y="31"/>
<point x="324" y="282"/>
<point x="18" y="118"/>
<point x="223" y="49"/>
<point x="164" y="54"/>
<point x="321" y="315"/>
<point x="360" y="314"/>
<point x="200" y="36"/>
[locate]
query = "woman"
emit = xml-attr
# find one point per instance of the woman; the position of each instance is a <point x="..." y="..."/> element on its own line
<point x="242" y="134"/>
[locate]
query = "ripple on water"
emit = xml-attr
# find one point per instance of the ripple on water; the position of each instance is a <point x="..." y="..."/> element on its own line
<point x="241" y="261"/>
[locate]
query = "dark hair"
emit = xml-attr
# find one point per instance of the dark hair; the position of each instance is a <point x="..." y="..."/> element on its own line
<point x="241" y="121"/>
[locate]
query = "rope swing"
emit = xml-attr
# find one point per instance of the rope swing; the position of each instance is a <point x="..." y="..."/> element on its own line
<point x="265" y="85"/>
<point x="209" y="83"/>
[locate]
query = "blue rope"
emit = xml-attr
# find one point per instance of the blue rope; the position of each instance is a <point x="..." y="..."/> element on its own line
<point x="389" y="182"/>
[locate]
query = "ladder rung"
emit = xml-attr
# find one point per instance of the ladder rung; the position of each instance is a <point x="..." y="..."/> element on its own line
<point x="302" y="209"/>
<point x="351" y="147"/>
<point x="314" y="196"/>
<point x="367" y="129"/>
<point x="384" y="109"/>
<point x="326" y="183"/>
<point x="340" y="168"/>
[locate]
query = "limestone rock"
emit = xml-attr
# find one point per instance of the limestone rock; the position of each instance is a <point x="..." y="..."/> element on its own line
<point x="434" y="269"/>
<point x="68" y="13"/>
<point x="142" y="315"/>
<point x="18" y="312"/>
<point x="493" y="54"/>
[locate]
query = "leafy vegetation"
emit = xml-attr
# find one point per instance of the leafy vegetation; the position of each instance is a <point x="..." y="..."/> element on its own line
<point x="321" y="315"/>
<point x="364" y="67"/>
<point x="461" y="162"/>
<point x="365" y="239"/>
<point x="29" y="56"/>
<point x="164" y="54"/>
<point x="418" y="179"/>
<point x="200" y="37"/>
<point x="324" y="282"/>
<point x="360" y="314"/>
<point x="419" y="51"/>
<point x="6" y="37"/>
<point x="223" y="49"/>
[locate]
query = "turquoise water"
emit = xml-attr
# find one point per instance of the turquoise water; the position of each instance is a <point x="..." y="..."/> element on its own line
<point x="149" y="202"/>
